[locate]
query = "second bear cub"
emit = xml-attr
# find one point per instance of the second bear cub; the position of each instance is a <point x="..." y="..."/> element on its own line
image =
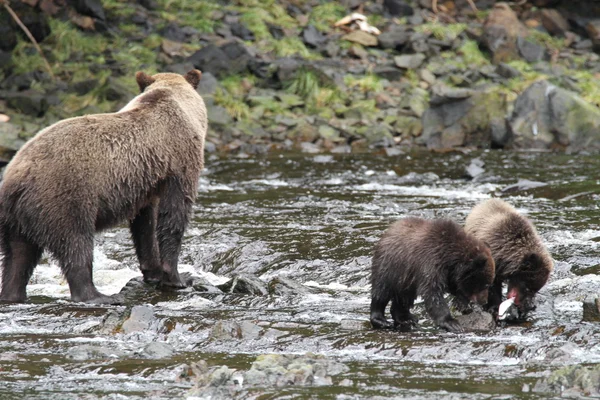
<point x="427" y="258"/>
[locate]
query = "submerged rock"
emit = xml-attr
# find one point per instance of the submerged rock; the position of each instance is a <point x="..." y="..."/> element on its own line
<point x="281" y="286"/>
<point x="140" y="319"/>
<point x="591" y="309"/>
<point x="523" y="184"/>
<point x="573" y="381"/>
<point x="269" y="370"/>
<point x="475" y="168"/>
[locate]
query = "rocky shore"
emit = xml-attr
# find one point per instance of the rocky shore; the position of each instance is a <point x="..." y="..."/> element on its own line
<point x="280" y="75"/>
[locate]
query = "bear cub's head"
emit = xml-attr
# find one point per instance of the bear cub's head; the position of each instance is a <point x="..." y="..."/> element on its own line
<point x="476" y="274"/>
<point x="144" y="80"/>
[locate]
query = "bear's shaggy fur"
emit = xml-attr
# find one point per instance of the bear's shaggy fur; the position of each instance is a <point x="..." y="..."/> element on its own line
<point x="521" y="258"/>
<point x="85" y="174"/>
<point x="427" y="258"/>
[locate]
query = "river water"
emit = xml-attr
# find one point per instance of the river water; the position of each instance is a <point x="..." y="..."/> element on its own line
<point x="314" y="219"/>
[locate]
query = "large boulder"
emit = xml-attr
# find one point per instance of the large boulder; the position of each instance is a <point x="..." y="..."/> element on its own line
<point x="463" y="117"/>
<point x="546" y="116"/>
<point x="230" y="58"/>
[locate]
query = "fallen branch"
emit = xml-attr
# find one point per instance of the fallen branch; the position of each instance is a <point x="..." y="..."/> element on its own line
<point x="28" y="33"/>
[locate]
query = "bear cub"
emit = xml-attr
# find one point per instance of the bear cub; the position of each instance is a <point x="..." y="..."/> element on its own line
<point x="427" y="258"/>
<point x="521" y="258"/>
<point x="85" y="174"/>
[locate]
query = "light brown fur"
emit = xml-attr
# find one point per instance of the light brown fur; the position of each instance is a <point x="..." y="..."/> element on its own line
<point x="520" y="256"/>
<point x="88" y="173"/>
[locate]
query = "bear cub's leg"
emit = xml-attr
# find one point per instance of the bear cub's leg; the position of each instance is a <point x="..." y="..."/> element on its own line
<point x="20" y="259"/>
<point x="438" y="309"/>
<point x="173" y="211"/>
<point x="143" y="232"/>
<point x="378" y="319"/>
<point x="402" y="302"/>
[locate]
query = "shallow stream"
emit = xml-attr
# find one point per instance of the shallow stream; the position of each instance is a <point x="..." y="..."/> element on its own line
<point x="315" y="219"/>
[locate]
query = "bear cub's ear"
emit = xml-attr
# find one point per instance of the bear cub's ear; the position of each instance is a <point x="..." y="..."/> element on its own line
<point x="143" y="80"/>
<point x="193" y="77"/>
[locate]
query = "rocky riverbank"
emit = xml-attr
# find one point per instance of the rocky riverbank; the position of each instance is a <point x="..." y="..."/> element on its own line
<point x="280" y="75"/>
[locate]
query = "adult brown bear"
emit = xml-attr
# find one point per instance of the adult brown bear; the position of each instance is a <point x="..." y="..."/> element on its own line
<point x="85" y="174"/>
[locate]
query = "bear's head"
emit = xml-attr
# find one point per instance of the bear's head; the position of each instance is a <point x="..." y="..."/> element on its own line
<point x="144" y="80"/>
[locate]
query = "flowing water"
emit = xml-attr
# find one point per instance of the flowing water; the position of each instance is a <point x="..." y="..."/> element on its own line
<point x="314" y="219"/>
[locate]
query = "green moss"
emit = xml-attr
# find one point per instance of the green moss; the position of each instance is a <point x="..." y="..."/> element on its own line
<point x="289" y="46"/>
<point x="588" y="83"/>
<point x="305" y="84"/>
<point x="234" y="106"/>
<point x="551" y="42"/>
<point x="118" y="8"/>
<point x="25" y="58"/>
<point x="472" y="55"/>
<point x="194" y="13"/>
<point x="367" y="84"/>
<point x="66" y="40"/>
<point x="441" y="31"/>
<point x="412" y="77"/>
<point x="325" y="15"/>
<point x="529" y="76"/>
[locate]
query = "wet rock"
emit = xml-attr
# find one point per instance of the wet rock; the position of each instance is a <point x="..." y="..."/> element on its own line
<point x="361" y="37"/>
<point x="573" y="381"/>
<point x="460" y="117"/>
<point x="530" y="51"/>
<point x="477" y="321"/>
<point x="409" y="61"/>
<point x="89" y="352"/>
<point x="230" y="58"/>
<point x="245" y="284"/>
<point x="140" y="319"/>
<point x="414" y="178"/>
<point x="30" y="102"/>
<point x="500" y="32"/>
<point x="355" y="325"/>
<point x="395" y="38"/>
<point x="546" y="116"/>
<point x="591" y="309"/>
<point x="158" y="350"/>
<point x="201" y="284"/>
<point x="475" y="168"/>
<point x="397" y="8"/>
<point x="523" y="184"/>
<point x="282" y="286"/>
<point x="312" y="37"/>
<point x="227" y="330"/>
<point x="554" y="22"/>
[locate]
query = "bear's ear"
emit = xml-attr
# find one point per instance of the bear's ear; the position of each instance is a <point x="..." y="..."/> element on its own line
<point x="193" y="77"/>
<point x="143" y="80"/>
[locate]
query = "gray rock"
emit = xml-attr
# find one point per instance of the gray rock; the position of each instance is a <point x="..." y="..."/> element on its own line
<point x="312" y="37"/>
<point x="218" y="115"/>
<point x="227" y="330"/>
<point x="282" y="286"/>
<point x="500" y="32"/>
<point x="30" y="102"/>
<point x="409" y="61"/>
<point x="530" y="51"/>
<point x="230" y="58"/>
<point x="572" y="382"/>
<point x="245" y="284"/>
<point x="92" y="8"/>
<point x="475" y="168"/>
<point x="546" y="116"/>
<point x="397" y="8"/>
<point x="389" y="72"/>
<point x="208" y="84"/>
<point x="395" y="39"/>
<point x="554" y="22"/>
<point x="88" y="352"/>
<point x="477" y="321"/>
<point x="140" y="319"/>
<point x="158" y="350"/>
<point x="523" y="184"/>
<point x="238" y="29"/>
<point x="506" y="71"/>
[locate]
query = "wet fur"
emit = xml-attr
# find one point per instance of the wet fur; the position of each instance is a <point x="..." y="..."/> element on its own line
<point x="520" y="256"/>
<point x="85" y="174"/>
<point x="427" y="258"/>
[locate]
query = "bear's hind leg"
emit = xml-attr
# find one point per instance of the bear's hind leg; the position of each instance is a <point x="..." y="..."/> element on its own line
<point x="143" y="232"/>
<point x="20" y="259"/>
<point x="173" y="213"/>
<point x="75" y="259"/>
<point x="402" y="302"/>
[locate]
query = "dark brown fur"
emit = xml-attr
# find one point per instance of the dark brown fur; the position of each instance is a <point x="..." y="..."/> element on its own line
<point x="521" y="258"/>
<point x="85" y="174"/>
<point x="427" y="258"/>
